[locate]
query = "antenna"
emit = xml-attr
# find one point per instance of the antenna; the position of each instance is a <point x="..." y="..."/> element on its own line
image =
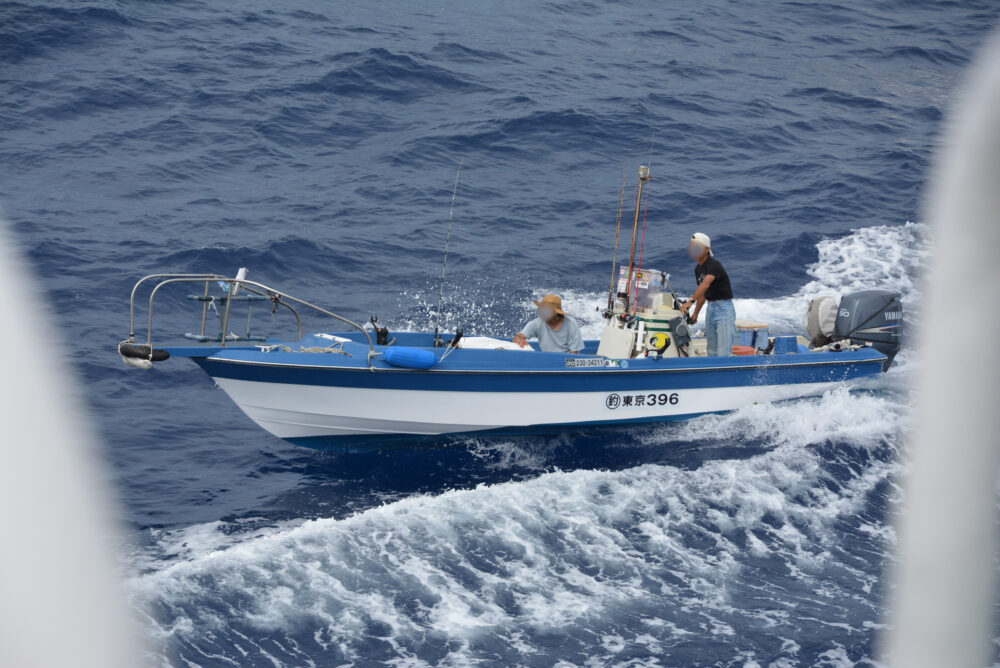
<point x="447" y="246"/>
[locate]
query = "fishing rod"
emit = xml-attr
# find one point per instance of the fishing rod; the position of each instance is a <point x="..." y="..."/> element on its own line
<point x="447" y="246"/>
<point x="614" y="257"/>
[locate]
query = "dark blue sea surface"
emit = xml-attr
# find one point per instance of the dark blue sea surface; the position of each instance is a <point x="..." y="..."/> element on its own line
<point x="317" y="144"/>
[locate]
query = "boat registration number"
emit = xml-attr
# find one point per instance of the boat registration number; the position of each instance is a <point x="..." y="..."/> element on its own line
<point x="615" y="400"/>
<point x="581" y="362"/>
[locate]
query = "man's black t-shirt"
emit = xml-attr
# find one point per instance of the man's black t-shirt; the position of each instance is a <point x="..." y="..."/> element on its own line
<point x="720" y="287"/>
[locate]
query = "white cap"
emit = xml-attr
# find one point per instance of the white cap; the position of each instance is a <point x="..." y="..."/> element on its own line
<point x="702" y="239"/>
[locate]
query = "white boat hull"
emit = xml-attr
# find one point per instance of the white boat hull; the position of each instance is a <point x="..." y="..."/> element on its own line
<point x="293" y="412"/>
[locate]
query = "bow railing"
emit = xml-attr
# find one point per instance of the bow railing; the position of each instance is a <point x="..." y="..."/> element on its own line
<point x="253" y="290"/>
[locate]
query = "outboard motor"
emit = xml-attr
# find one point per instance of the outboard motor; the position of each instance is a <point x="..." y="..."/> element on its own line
<point x="871" y="317"/>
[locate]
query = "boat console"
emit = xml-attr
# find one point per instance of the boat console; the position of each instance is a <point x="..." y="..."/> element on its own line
<point x="643" y="318"/>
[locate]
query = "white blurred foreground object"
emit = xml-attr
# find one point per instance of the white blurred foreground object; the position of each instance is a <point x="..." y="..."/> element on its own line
<point x="60" y="603"/>
<point x="946" y="579"/>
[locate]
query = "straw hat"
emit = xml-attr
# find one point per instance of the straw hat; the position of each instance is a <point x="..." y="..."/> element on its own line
<point x="554" y="302"/>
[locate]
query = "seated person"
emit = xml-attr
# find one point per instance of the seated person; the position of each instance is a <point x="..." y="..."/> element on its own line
<point x="556" y="331"/>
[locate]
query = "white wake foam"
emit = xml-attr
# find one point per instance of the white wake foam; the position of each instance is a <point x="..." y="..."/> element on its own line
<point x="566" y="552"/>
<point x="883" y="257"/>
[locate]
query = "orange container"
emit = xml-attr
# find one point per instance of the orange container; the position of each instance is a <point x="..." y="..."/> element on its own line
<point x="744" y="350"/>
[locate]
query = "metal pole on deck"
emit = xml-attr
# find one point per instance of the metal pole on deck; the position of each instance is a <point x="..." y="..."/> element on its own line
<point x="643" y="177"/>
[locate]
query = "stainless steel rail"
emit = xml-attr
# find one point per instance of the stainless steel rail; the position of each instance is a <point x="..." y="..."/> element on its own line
<point x="135" y="288"/>
<point x="234" y="284"/>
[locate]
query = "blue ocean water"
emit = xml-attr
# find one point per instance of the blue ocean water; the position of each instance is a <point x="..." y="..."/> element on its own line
<point x="317" y="145"/>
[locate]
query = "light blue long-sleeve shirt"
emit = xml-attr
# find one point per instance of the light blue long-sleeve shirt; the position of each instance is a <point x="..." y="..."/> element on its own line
<point x="566" y="339"/>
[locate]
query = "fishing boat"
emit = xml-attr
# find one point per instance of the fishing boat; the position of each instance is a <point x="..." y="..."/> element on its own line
<point x="359" y="386"/>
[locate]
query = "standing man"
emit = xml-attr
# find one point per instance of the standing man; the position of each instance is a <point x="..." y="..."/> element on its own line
<point x="556" y="331"/>
<point x="713" y="287"/>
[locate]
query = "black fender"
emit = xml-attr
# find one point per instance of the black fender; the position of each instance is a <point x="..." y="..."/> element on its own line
<point x="141" y="351"/>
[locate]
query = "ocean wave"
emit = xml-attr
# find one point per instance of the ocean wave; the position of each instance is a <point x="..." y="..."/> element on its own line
<point x="380" y="73"/>
<point x="31" y="32"/>
<point x="651" y="551"/>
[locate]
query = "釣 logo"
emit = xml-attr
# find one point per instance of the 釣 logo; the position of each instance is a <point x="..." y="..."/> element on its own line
<point x="613" y="401"/>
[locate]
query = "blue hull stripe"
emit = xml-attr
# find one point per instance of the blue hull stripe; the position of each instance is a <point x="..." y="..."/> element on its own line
<point x="577" y="380"/>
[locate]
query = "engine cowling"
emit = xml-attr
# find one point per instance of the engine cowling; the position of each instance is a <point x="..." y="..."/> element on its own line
<point x="872" y="317"/>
